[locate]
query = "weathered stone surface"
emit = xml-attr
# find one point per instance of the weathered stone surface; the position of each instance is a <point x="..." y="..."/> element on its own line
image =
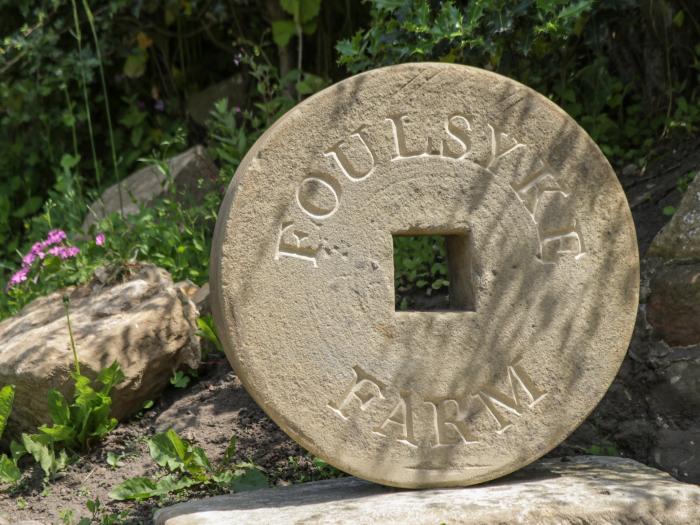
<point x="191" y="173"/>
<point x="200" y="105"/>
<point x="145" y="323"/>
<point x="678" y="452"/>
<point x="680" y="238"/>
<point x="543" y="268"/>
<point x="673" y="308"/>
<point x="589" y="489"/>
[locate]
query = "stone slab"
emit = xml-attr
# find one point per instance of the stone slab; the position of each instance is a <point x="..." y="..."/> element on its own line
<point x="541" y="251"/>
<point x="587" y="490"/>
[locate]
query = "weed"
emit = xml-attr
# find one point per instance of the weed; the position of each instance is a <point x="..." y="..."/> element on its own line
<point x="185" y="465"/>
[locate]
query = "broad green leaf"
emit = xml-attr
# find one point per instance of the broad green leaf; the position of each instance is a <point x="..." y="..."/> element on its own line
<point x="197" y="462"/>
<point x="58" y="432"/>
<point x="9" y="472"/>
<point x="283" y="31"/>
<point x="17" y="450"/>
<point x="141" y="488"/>
<point x="302" y="10"/>
<point x="58" y="408"/>
<point x="168" y="450"/>
<point x="38" y="446"/>
<point x="7" y="397"/>
<point x="248" y="478"/>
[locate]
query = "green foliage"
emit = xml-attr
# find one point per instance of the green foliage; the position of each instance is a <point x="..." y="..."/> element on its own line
<point x="188" y="466"/>
<point x="180" y="379"/>
<point x="577" y="53"/>
<point x="88" y="418"/>
<point x="420" y="264"/>
<point x="207" y="331"/>
<point x="7" y="398"/>
<point x="114" y="460"/>
<point x="604" y="448"/>
<point x="9" y="472"/>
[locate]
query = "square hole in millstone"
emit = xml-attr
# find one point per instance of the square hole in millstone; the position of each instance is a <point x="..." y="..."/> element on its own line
<point x="433" y="272"/>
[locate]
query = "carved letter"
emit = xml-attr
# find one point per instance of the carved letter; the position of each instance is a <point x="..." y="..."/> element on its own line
<point x="365" y="388"/>
<point x="450" y="427"/>
<point x="402" y="151"/>
<point x="401" y="416"/>
<point x="345" y="164"/>
<point x="529" y="191"/>
<point x="296" y="250"/>
<point x="553" y="244"/>
<point x="512" y="403"/>
<point x="309" y="208"/>
<point x="498" y="148"/>
<point x="458" y="128"/>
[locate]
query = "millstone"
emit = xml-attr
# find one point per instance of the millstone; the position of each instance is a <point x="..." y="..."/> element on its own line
<point x="542" y="260"/>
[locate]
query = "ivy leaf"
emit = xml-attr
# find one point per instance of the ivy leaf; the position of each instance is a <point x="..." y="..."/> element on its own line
<point x="7" y="397"/>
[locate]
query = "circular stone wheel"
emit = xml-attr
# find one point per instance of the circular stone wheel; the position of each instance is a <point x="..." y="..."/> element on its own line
<point x="543" y="275"/>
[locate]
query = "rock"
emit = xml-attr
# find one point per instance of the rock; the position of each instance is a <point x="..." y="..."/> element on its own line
<point x="678" y="452"/>
<point x="145" y="323"/>
<point x="680" y="238"/>
<point x="201" y="300"/>
<point x="542" y="258"/>
<point x="200" y="105"/>
<point x="582" y="490"/>
<point x="673" y="307"/>
<point x="192" y="174"/>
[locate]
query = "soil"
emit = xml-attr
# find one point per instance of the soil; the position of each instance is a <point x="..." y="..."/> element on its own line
<point x="215" y="406"/>
<point x="206" y="413"/>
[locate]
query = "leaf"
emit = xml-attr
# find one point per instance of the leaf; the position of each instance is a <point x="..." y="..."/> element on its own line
<point x="135" y="65"/>
<point x="283" y="31"/>
<point x="7" y="397"/>
<point x="302" y="10"/>
<point x="180" y="379"/>
<point x="110" y="376"/>
<point x="141" y="488"/>
<point x="389" y="5"/>
<point x="668" y="210"/>
<point x="168" y="450"/>
<point x="143" y="40"/>
<point x="248" y="478"/>
<point x="9" y="472"/>
<point x="40" y="451"/>
<point x="58" y="433"/>
<point x="58" y="408"/>
<point x="17" y="450"/>
<point x="230" y="451"/>
<point x="114" y="460"/>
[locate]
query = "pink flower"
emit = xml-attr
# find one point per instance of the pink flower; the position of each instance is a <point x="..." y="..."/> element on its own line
<point x="64" y="252"/>
<point x="100" y="239"/>
<point x="28" y="259"/>
<point x="55" y="236"/>
<point x="18" y="277"/>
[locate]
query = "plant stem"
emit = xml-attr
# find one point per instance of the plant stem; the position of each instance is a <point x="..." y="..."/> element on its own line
<point x="78" y="37"/>
<point x="66" y="304"/>
<point x="91" y="21"/>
